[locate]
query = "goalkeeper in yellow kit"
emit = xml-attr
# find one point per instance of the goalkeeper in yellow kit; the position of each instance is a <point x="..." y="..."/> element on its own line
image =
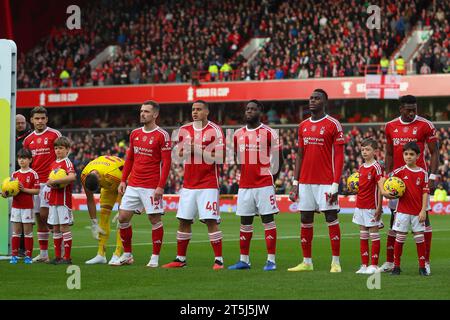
<point x="105" y="173"/>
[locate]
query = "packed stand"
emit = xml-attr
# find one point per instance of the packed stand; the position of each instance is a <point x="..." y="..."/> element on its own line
<point x="159" y="42"/>
<point x="434" y="58"/>
<point x="180" y="41"/>
<point x="328" y="39"/>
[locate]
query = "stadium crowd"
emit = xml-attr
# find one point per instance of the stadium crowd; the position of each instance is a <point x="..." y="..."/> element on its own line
<point x="89" y="145"/>
<point x="435" y="57"/>
<point x="308" y="39"/>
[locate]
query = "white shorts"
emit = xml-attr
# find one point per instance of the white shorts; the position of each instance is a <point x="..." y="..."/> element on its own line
<point x="58" y="215"/>
<point x="136" y="198"/>
<point x="256" y="201"/>
<point x="365" y="218"/>
<point x="22" y="215"/>
<point x="403" y="221"/>
<point x="204" y="202"/>
<point x="41" y="200"/>
<point x="392" y="204"/>
<point x="312" y="197"/>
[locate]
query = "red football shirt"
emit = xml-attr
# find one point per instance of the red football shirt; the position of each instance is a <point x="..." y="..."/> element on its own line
<point x="29" y="180"/>
<point x="318" y="138"/>
<point x="41" y="146"/>
<point x="369" y="175"/>
<point x="254" y="150"/>
<point x="62" y="196"/>
<point x="145" y="153"/>
<point x="198" y="173"/>
<point x="416" y="182"/>
<point x="399" y="133"/>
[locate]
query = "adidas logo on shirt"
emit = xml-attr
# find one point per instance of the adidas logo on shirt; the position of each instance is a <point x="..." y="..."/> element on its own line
<point x="396" y="130"/>
<point x="405" y="178"/>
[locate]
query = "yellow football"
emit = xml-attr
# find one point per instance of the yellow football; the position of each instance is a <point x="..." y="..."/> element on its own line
<point x="10" y="187"/>
<point x="395" y="186"/>
<point x="353" y="183"/>
<point x="57" y="174"/>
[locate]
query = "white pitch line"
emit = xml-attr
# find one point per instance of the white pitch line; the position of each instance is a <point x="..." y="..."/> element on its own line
<point x="233" y="240"/>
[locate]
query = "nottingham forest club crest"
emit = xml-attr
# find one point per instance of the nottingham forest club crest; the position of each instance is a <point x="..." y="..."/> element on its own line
<point x="415" y="130"/>
<point x="418" y="182"/>
<point x="322" y="130"/>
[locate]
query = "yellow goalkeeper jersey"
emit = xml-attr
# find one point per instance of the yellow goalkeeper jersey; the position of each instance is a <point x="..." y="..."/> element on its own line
<point x="109" y="169"/>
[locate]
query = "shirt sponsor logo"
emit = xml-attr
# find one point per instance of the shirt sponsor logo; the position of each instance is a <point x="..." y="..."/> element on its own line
<point x="313" y="140"/>
<point x="402" y="141"/>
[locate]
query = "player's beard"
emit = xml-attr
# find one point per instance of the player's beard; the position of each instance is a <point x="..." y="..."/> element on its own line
<point x="252" y="121"/>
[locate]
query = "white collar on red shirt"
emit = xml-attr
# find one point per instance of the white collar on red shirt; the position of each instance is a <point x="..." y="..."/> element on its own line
<point x="26" y="171"/>
<point x="39" y="133"/>
<point x="201" y="129"/>
<point x="63" y="159"/>
<point x="412" y="170"/>
<point x="145" y="131"/>
<point x="366" y="165"/>
<point x="315" y="121"/>
<point x="403" y="122"/>
<point x="248" y="129"/>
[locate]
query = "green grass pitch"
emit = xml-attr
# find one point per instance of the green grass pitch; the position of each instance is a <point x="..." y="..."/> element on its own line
<point x="199" y="281"/>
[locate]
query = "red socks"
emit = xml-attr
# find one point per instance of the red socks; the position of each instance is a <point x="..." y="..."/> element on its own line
<point x="375" y="238"/>
<point x="270" y="232"/>
<point x="157" y="237"/>
<point x="364" y="247"/>
<point x="306" y="237"/>
<point x="335" y="237"/>
<point x="216" y="243"/>
<point x="126" y="233"/>
<point x="67" y="236"/>
<point x="182" y="243"/>
<point x="246" y="233"/>
<point x="390" y="246"/>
